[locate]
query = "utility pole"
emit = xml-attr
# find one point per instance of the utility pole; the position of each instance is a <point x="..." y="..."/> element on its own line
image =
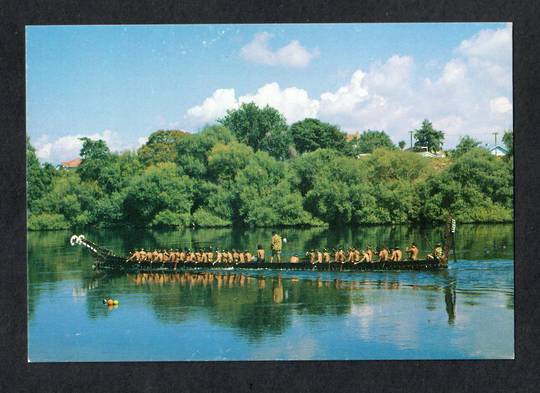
<point x="411" y="134"/>
<point x="495" y="134"/>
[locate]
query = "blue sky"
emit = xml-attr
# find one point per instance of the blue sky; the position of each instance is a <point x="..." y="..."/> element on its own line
<point x="121" y="83"/>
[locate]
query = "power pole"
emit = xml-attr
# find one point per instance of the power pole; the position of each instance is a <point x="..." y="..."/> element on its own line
<point x="495" y="134"/>
<point x="411" y="134"/>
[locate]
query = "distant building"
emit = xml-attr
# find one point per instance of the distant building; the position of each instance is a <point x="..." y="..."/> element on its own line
<point x="71" y="164"/>
<point x="351" y="137"/>
<point x="424" y="152"/>
<point x="498" y="151"/>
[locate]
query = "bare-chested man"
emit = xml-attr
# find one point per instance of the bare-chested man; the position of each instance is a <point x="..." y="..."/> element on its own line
<point x="135" y="256"/>
<point x="248" y="256"/>
<point x="413" y="252"/>
<point x="260" y="254"/>
<point x="326" y="256"/>
<point x="383" y="254"/>
<point x="396" y="254"/>
<point x="294" y="259"/>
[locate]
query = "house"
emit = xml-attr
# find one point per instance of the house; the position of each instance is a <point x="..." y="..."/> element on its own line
<point x="71" y="164"/>
<point x="498" y="151"/>
<point x="424" y="152"/>
<point x="351" y="137"/>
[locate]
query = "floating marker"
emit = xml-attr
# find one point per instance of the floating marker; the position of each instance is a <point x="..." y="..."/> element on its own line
<point x="116" y="302"/>
<point x="110" y="302"/>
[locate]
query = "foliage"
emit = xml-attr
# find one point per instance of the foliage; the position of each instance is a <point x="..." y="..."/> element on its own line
<point x="370" y="140"/>
<point x="401" y="145"/>
<point x="261" y="128"/>
<point x="47" y="221"/>
<point x="159" y="189"/>
<point x="235" y="173"/>
<point x="312" y="134"/>
<point x="161" y="147"/>
<point x="465" y="144"/>
<point x="476" y="187"/>
<point x="39" y="178"/>
<point x="204" y="218"/>
<point x="427" y="136"/>
<point x="508" y="140"/>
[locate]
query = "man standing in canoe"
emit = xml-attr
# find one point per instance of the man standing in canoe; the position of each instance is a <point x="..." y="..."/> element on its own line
<point x="275" y="247"/>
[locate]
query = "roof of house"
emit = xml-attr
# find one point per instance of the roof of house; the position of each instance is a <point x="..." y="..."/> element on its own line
<point x="72" y="163"/>
<point x="498" y="147"/>
<point x="350" y="137"/>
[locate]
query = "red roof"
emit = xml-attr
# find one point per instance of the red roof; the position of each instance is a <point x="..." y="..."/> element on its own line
<point x="72" y="163"/>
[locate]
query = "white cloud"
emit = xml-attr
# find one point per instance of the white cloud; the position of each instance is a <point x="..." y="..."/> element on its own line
<point x="68" y="147"/>
<point x="469" y="96"/>
<point x="213" y="107"/>
<point x="292" y="102"/>
<point x="291" y="55"/>
<point x="500" y="105"/>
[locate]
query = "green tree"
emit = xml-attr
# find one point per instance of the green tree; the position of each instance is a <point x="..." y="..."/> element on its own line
<point x="370" y="140"/>
<point x="312" y="134"/>
<point x="161" y="146"/>
<point x="95" y="157"/>
<point x="225" y="161"/>
<point x="261" y="128"/>
<point x="401" y="145"/>
<point x="427" y="136"/>
<point x="38" y="177"/>
<point x="508" y="140"/>
<point x="193" y="150"/>
<point x="266" y="196"/>
<point x="476" y="187"/>
<point x="160" y="196"/>
<point x="465" y="144"/>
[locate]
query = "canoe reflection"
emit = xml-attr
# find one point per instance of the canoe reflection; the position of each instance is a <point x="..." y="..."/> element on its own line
<point x="259" y="305"/>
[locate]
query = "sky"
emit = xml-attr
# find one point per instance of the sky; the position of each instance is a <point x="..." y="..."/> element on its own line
<point x="121" y="83"/>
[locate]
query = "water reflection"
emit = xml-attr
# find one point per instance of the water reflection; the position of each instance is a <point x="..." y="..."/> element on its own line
<point x="344" y="314"/>
<point x="240" y="300"/>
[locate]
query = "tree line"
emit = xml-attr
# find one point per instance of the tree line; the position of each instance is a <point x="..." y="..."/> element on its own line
<point x="251" y="168"/>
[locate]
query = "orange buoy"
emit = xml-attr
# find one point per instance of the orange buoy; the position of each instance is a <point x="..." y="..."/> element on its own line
<point x="110" y="302"/>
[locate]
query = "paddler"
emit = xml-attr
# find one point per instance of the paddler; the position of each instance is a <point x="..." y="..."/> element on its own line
<point x="326" y="256"/>
<point x="248" y="256"/>
<point x="350" y="255"/>
<point x="396" y="254"/>
<point x="241" y="258"/>
<point x="260" y="254"/>
<point x="319" y="256"/>
<point x="413" y="252"/>
<point x="366" y="257"/>
<point x="275" y="247"/>
<point x="235" y="256"/>
<point x="135" y="255"/>
<point x="356" y="255"/>
<point x="383" y="254"/>
<point x="311" y="254"/>
<point x="210" y="255"/>
<point x="294" y="259"/>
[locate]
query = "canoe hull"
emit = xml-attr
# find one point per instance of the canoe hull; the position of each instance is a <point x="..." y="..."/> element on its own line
<point x="120" y="264"/>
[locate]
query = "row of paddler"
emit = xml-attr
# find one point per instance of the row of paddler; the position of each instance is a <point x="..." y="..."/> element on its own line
<point x="353" y="255"/>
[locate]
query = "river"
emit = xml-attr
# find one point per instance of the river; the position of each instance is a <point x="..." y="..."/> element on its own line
<point x="463" y="312"/>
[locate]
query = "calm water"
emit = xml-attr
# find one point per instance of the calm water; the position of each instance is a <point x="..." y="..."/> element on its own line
<point x="231" y="315"/>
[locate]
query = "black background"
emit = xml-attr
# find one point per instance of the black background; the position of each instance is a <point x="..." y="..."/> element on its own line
<point x="17" y="375"/>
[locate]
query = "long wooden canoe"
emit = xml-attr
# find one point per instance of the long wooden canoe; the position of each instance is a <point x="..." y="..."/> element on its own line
<point x="106" y="260"/>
